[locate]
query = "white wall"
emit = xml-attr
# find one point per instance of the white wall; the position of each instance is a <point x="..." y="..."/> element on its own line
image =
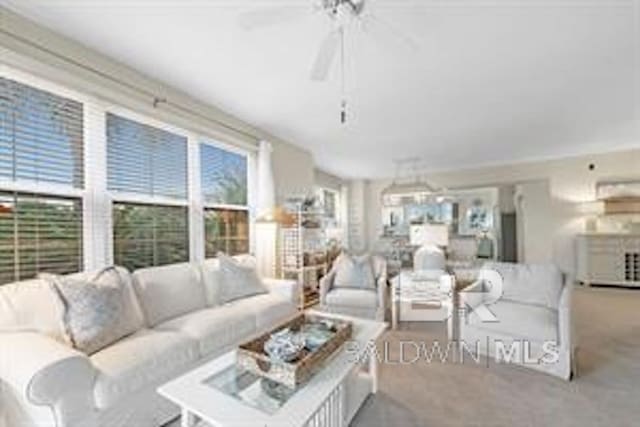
<point x="326" y="180"/>
<point x="32" y="48"/>
<point x="536" y="229"/>
<point x="292" y="170"/>
<point x="570" y="182"/>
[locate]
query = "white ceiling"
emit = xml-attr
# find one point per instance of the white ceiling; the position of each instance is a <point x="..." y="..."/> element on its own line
<point x="491" y="82"/>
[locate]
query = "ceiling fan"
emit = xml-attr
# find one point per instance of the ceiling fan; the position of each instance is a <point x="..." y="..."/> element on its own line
<point x="343" y="15"/>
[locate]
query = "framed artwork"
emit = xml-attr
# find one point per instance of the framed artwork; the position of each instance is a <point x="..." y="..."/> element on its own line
<point x="475" y="218"/>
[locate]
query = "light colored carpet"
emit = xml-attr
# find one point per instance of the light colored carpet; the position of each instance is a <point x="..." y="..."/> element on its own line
<point x="606" y="391"/>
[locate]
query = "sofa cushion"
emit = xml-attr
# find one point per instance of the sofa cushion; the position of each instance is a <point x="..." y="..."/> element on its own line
<point x="363" y="298"/>
<point x="169" y="291"/>
<point x="28" y="306"/>
<point x="97" y="309"/>
<point x="268" y="309"/>
<point x="215" y="329"/>
<point x="520" y="321"/>
<point x="146" y="358"/>
<point x="530" y="283"/>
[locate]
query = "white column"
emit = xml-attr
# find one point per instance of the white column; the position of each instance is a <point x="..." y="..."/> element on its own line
<point x="266" y="194"/>
<point x="196" y="203"/>
<point x="266" y="248"/>
<point x="97" y="234"/>
<point x="252" y="190"/>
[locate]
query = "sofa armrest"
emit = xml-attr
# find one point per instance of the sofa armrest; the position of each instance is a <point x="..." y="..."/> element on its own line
<point x="565" y="327"/>
<point x="473" y="295"/>
<point x="40" y="371"/>
<point x="290" y="289"/>
<point x="382" y="285"/>
<point x="325" y="286"/>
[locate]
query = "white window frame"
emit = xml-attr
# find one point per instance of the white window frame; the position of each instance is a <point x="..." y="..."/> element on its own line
<point x="114" y="196"/>
<point x="97" y="201"/>
<point x="60" y="190"/>
<point x="251" y="164"/>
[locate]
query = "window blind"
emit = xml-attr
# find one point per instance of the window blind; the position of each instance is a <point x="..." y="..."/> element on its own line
<point x="149" y="235"/>
<point x="39" y="233"/>
<point x="223" y="176"/>
<point x="41" y="136"/>
<point x="226" y="230"/>
<point x="145" y="160"/>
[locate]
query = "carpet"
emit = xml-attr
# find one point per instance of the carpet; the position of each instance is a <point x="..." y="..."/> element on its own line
<point x="606" y="391"/>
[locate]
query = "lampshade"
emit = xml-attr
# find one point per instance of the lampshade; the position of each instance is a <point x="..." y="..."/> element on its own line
<point x="593" y="208"/>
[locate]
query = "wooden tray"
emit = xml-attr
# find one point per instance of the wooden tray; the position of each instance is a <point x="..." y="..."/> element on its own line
<point x="251" y="355"/>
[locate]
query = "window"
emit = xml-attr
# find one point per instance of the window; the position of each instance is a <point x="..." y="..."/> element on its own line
<point x="224" y="176"/>
<point x="145" y="160"/>
<point x="41" y="150"/>
<point x="149" y="166"/>
<point x="226" y="230"/>
<point x="77" y="176"/>
<point x="224" y="191"/>
<point x="39" y="233"/>
<point x="40" y="136"/>
<point x="147" y="235"/>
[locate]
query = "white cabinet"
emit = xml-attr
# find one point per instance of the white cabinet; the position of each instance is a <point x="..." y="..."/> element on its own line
<point x="608" y="259"/>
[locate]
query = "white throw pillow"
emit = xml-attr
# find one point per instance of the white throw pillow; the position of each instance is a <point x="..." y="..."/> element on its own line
<point x="95" y="310"/>
<point x="354" y="272"/>
<point x="26" y="307"/>
<point x="210" y="269"/>
<point x="169" y="291"/>
<point x="237" y="280"/>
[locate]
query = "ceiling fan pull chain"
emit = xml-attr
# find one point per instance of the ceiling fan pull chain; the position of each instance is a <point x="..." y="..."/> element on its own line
<point x="343" y="104"/>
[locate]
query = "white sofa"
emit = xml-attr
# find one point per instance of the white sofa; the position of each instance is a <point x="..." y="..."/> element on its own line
<point x="533" y="306"/>
<point x="365" y="303"/>
<point x="45" y="382"/>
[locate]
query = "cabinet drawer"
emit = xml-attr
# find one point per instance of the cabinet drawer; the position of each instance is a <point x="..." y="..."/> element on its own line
<point x="606" y="268"/>
<point x="605" y="244"/>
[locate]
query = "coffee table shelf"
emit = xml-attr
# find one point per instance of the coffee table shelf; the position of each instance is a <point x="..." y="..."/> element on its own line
<point x="331" y="398"/>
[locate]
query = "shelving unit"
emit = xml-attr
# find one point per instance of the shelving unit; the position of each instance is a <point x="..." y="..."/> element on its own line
<point x="303" y="254"/>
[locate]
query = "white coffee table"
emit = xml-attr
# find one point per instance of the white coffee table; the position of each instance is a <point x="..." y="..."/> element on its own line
<point x="220" y="395"/>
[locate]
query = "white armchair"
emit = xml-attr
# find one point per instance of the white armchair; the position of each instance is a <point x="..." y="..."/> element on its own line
<point x="429" y="258"/>
<point x="532" y="312"/>
<point x="366" y="303"/>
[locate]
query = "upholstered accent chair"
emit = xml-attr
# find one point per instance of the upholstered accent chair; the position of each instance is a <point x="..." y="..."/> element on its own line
<point x="532" y="309"/>
<point x="367" y="302"/>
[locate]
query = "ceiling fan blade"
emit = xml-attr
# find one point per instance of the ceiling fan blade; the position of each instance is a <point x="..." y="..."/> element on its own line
<point x="268" y="17"/>
<point x="326" y="56"/>
<point x="386" y="34"/>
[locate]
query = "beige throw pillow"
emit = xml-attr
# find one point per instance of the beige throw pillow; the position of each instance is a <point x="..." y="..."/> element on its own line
<point x="354" y="272"/>
<point x="95" y="309"/>
<point x="237" y="281"/>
